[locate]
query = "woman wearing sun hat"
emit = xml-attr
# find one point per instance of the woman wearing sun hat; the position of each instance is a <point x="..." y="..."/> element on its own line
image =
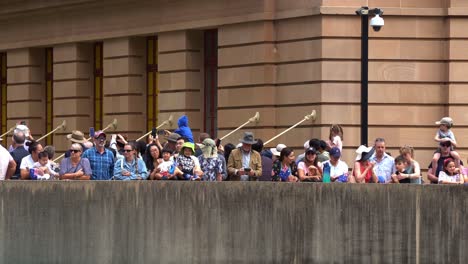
<point x="363" y="168"/>
<point x="76" y="136"/>
<point x="210" y="163"/>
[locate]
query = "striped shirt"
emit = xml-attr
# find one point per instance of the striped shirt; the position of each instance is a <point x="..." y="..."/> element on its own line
<point x="102" y="165"/>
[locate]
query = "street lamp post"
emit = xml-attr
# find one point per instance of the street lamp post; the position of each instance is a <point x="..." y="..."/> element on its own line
<point x="376" y="23"/>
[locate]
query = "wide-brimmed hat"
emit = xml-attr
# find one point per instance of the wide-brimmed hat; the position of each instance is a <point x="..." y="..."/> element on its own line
<point x="209" y="148"/>
<point x="277" y="151"/>
<point x="76" y="136"/>
<point x="248" y="138"/>
<point x="173" y="137"/>
<point x="189" y="145"/>
<point x="445" y="121"/>
<point x="364" y="153"/>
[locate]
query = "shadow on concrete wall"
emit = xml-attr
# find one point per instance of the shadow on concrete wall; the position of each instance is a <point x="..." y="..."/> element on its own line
<point x="181" y="222"/>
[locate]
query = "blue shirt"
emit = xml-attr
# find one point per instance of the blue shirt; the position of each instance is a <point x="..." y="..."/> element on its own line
<point x="102" y="165"/>
<point x="384" y="168"/>
<point x="136" y="167"/>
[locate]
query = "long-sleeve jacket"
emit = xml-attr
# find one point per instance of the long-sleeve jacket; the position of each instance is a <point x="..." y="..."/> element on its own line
<point x="136" y="167"/>
<point x="235" y="163"/>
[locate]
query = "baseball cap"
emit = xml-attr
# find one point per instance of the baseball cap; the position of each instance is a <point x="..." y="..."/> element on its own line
<point x="99" y="133"/>
<point x="335" y="152"/>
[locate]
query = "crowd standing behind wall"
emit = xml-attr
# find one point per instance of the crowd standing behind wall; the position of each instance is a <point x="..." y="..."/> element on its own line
<point x="207" y="160"/>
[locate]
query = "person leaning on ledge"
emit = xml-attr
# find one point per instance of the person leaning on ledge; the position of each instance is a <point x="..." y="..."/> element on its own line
<point x="244" y="163"/>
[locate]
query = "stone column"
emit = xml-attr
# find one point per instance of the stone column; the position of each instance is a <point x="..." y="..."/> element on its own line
<point x="181" y="77"/>
<point x="73" y="90"/>
<point x="124" y="90"/>
<point x="26" y="89"/>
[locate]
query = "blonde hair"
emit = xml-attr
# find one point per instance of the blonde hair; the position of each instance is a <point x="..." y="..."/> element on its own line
<point x="336" y="130"/>
<point x="407" y="149"/>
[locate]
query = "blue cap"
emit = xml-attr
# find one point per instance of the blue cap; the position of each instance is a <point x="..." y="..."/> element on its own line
<point x="335" y="152"/>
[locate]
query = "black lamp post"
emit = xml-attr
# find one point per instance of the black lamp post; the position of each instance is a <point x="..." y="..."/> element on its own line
<point x="376" y="23"/>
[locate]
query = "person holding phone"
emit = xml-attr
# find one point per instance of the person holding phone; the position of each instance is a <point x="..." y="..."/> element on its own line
<point x="245" y="164"/>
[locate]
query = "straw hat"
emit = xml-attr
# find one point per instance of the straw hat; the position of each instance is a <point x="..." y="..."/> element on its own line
<point x="76" y="136"/>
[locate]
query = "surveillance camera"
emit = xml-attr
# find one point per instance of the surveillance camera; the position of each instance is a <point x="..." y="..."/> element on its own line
<point x="377" y="22"/>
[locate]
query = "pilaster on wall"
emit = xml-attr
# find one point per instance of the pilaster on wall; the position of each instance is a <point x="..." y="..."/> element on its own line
<point x="181" y="77"/>
<point x="26" y="89"/>
<point x="124" y="85"/>
<point x="73" y="93"/>
<point x="246" y="79"/>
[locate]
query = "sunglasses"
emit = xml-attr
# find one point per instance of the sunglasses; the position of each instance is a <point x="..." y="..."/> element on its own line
<point x="128" y="150"/>
<point x="74" y="150"/>
<point x="445" y="145"/>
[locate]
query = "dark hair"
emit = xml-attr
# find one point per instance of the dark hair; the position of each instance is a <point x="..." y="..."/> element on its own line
<point x="447" y="161"/>
<point x="315" y="143"/>
<point x="140" y="146"/>
<point x="19" y="137"/>
<point x="166" y="150"/>
<point x="258" y="146"/>
<point x="285" y="152"/>
<point x="227" y="150"/>
<point x="42" y="154"/>
<point x="203" y="136"/>
<point x="400" y="159"/>
<point x="379" y="140"/>
<point x="149" y="159"/>
<point x="313" y="150"/>
<point x="32" y="146"/>
<point x="323" y="145"/>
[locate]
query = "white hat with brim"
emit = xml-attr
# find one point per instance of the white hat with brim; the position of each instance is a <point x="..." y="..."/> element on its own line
<point x="277" y="151"/>
<point x="364" y="153"/>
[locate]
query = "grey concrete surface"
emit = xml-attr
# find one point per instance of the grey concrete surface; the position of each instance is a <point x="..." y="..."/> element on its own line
<point x="236" y="222"/>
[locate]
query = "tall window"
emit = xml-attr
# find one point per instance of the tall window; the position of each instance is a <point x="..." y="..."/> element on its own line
<point x="49" y="93"/>
<point x="98" y="75"/>
<point x="152" y="76"/>
<point x="211" y="81"/>
<point x="3" y="94"/>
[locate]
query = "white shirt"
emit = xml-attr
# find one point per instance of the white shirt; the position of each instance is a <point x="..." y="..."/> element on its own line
<point x="27" y="162"/>
<point x="5" y="158"/>
<point x="338" y="170"/>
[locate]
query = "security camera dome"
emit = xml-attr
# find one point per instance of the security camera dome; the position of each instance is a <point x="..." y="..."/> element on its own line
<point x="377" y="22"/>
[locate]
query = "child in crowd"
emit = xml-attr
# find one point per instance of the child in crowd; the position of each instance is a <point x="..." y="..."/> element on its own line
<point x="445" y="134"/>
<point x="400" y="168"/>
<point x="43" y="169"/>
<point x="336" y="137"/>
<point x="167" y="169"/>
<point x="450" y="174"/>
<point x="188" y="163"/>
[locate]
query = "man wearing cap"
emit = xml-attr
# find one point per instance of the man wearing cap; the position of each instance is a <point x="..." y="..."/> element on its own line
<point x="7" y="164"/>
<point x="337" y="166"/>
<point x="384" y="164"/>
<point x="277" y="151"/>
<point x="100" y="158"/>
<point x="244" y="163"/>
<point x="19" y="152"/>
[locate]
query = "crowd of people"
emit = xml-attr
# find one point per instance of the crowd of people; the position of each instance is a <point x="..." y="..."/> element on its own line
<point x="180" y="158"/>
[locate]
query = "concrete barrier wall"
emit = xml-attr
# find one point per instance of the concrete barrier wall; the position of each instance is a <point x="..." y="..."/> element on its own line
<point x="179" y="222"/>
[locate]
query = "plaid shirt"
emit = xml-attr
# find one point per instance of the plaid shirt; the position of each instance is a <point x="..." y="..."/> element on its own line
<point x="102" y="165"/>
